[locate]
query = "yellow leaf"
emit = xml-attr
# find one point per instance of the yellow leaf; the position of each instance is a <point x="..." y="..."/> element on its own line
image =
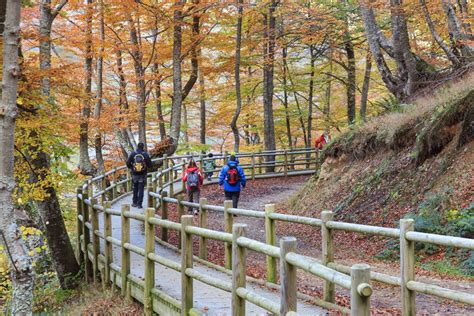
<point x="22" y="228"/>
<point x="19" y="100"/>
<point x="38" y="249"/>
<point x="31" y="253"/>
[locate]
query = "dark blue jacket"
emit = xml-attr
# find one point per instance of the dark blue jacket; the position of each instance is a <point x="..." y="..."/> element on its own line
<point x="145" y="155"/>
<point x="224" y="181"/>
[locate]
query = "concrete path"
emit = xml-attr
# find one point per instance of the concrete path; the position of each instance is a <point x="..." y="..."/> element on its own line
<point x="206" y="298"/>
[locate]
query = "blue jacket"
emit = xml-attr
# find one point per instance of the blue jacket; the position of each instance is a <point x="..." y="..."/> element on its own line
<point x="223" y="177"/>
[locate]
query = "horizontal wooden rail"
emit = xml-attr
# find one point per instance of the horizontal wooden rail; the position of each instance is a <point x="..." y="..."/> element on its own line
<point x="366" y="229"/>
<point x="164" y="223"/>
<point x="258" y="300"/>
<point x="208" y="233"/>
<point x="165" y="262"/>
<point x="138" y="250"/>
<point x="136" y="216"/>
<point x="204" y="278"/>
<point x="259" y="247"/>
<point x="248" y="213"/>
<point x="442" y="292"/>
<point x="441" y="240"/>
<point x="310" y="265"/>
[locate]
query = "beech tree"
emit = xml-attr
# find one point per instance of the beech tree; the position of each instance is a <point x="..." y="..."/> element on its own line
<point x="22" y="275"/>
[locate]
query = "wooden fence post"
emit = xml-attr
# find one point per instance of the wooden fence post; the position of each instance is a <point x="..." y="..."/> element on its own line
<point x="285" y="167"/>
<point x="260" y="160"/>
<point x="125" y="252"/>
<point x="407" y="267"/>
<point x="327" y="253"/>
<point x="95" y="240"/>
<point x="228" y="222"/>
<point x="270" y="239"/>
<point x="171" y="184"/>
<point x="149" y="188"/>
<point x="238" y="269"/>
<point x="180" y="214"/>
<point x="316" y="160"/>
<point x="225" y="157"/>
<point x="183" y="184"/>
<point x="287" y="276"/>
<point x="165" y="166"/>
<point x="87" y="236"/>
<point x="253" y="166"/>
<point x="103" y="186"/>
<point x="149" y="264"/>
<point x="80" y="227"/>
<point x="114" y="184"/>
<point x="203" y="224"/>
<point x="186" y="262"/>
<point x="107" y="244"/>
<point x="164" y="215"/>
<point x="160" y="179"/>
<point x="360" y="290"/>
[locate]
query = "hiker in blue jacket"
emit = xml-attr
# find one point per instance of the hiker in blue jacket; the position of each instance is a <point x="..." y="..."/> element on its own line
<point x="232" y="177"/>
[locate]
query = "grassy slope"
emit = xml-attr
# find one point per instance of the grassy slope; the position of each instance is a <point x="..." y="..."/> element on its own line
<point x="371" y="174"/>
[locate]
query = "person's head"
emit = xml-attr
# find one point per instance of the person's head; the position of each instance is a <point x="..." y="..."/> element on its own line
<point x="210" y="155"/>
<point x="232" y="158"/>
<point x="192" y="163"/>
<point x="141" y="146"/>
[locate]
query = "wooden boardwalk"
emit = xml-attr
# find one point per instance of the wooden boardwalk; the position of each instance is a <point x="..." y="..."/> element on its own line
<point x="208" y="299"/>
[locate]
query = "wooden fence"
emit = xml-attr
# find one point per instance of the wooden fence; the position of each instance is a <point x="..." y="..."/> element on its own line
<point x="165" y="186"/>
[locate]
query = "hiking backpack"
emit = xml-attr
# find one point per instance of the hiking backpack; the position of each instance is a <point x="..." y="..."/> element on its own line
<point x="232" y="175"/>
<point x="193" y="180"/>
<point x="139" y="165"/>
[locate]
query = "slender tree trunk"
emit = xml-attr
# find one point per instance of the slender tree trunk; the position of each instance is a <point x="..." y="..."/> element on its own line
<point x="185" y="121"/>
<point x="124" y="125"/>
<point x="99" y="94"/>
<point x="285" y="96"/>
<point x="269" y="56"/>
<point x="85" y="164"/>
<point x="159" y="109"/>
<point x="365" y="87"/>
<point x="327" y="105"/>
<point x="139" y="80"/>
<point x="238" y="43"/>
<point x="177" y="84"/>
<point x="351" y="72"/>
<point x="461" y="41"/>
<point x="62" y="253"/>
<point x="310" y="93"/>
<point x="202" y="102"/>
<point x="22" y="275"/>
<point x="3" y="8"/>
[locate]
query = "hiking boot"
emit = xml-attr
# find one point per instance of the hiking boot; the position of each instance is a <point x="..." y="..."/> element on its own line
<point x="139" y="206"/>
<point x="134" y="205"/>
<point x="195" y="212"/>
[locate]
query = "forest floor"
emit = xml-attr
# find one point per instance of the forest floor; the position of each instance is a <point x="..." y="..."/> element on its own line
<point x="386" y="299"/>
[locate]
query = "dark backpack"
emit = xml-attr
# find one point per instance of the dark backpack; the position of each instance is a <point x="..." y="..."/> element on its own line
<point x="193" y="180"/>
<point x="233" y="175"/>
<point x="139" y="165"/>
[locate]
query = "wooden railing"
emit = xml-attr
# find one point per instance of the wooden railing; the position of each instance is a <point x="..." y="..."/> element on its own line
<point x="165" y="184"/>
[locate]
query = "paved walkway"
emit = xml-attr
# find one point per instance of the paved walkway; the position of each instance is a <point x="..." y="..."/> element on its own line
<point x="206" y="298"/>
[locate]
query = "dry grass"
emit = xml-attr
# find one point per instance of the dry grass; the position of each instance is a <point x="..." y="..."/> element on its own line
<point x="395" y="129"/>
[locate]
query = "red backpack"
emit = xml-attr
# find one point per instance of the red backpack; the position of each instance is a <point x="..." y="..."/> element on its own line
<point x="233" y="175"/>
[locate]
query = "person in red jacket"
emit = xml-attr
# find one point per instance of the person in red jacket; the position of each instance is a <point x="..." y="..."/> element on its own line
<point x="193" y="179"/>
<point x="322" y="140"/>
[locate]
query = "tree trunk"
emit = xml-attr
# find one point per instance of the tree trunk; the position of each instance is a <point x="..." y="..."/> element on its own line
<point x="62" y="253"/>
<point x="202" y="101"/>
<point x="85" y="164"/>
<point x="327" y="105"/>
<point x="461" y="41"/>
<point x="194" y="52"/>
<point x="177" y="84"/>
<point x="139" y="80"/>
<point x="3" y="7"/>
<point x="124" y="124"/>
<point x="285" y="96"/>
<point x="21" y="274"/>
<point x="159" y="109"/>
<point x="365" y="87"/>
<point x="99" y="93"/>
<point x="185" y="121"/>
<point x="467" y="129"/>
<point x="351" y="72"/>
<point x="238" y="43"/>
<point x="268" y="120"/>
<point x="310" y="93"/>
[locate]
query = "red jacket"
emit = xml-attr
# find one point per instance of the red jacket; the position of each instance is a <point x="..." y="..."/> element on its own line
<point x="320" y="142"/>
<point x="188" y="171"/>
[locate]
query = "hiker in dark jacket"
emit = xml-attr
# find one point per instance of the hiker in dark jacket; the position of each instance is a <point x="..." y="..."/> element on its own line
<point x="193" y="179"/>
<point x="138" y="162"/>
<point x="232" y="177"/>
<point x="209" y="166"/>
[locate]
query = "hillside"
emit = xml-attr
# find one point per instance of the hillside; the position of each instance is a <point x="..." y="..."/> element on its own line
<point x="416" y="162"/>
